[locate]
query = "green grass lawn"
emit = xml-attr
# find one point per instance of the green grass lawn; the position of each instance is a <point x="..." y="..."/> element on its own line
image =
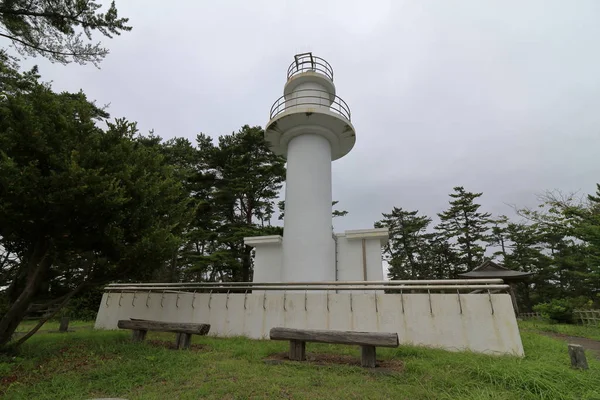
<point x="586" y="331"/>
<point x="26" y="326"/>
<point x="87" y="364"/>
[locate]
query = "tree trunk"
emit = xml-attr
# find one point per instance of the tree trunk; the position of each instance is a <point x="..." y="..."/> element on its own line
<point x="46" y="318"/>
<point x="37" y="266"/>
<point x="247" y="255"/>
<point x="246" y="263"/>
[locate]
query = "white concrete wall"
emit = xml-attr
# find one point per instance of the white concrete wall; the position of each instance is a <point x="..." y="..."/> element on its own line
<point x="308" y="248"/>
<point x="268" y="259"/>
<point x="475" y="322"/>
<point x="350" y="259"/>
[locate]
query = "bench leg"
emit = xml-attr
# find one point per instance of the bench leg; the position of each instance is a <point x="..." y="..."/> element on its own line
<point x="297" y="350"/>
<point x="138" y="335"/>
<point x="183" y="340"/>
<point x="368" y="356"/>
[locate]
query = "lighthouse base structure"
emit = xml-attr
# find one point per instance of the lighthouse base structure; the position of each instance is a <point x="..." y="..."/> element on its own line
<point x="356" y="256"/>
<point x="483" y="323"/>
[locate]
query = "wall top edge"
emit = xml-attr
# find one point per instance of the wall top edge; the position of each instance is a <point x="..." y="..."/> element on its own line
<point x="263" y="240"/>
<point x="376" y="233"/>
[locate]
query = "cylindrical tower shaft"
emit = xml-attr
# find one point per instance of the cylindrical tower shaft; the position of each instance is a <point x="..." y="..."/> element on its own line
<point x="308" y="244"/>
<point x="310" y="126"/>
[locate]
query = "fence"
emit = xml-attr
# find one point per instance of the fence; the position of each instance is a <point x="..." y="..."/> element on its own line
<point x="587" y="317"/>
<point x="584" y="317"/>
<point x="530" y="315"/>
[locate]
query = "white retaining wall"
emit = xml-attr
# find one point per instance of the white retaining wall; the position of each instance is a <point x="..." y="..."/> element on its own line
<point x="487" y="323"/>
<point x="350" y="259"/>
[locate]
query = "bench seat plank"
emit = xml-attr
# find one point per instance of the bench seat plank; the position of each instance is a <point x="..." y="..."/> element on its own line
<point x="379" y="339"/>
<point x="160" y="326"/>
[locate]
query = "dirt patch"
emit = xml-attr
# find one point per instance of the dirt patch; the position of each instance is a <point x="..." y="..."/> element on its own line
<point x="173" y="346"/>
<point x="588" y="344"/>
<point x="324" y="359"/>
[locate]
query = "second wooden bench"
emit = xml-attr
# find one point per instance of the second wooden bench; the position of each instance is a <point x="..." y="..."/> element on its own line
<point x="368" y="341"/>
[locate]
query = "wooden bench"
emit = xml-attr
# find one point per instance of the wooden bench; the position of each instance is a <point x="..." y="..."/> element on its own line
<point x="368" y="341"/>
<point x="184" y="331"/>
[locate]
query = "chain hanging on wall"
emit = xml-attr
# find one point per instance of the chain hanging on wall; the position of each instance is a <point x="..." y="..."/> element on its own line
<point x="120" y="297"/>
<point x="193" y="299"/>
<point x="402" y="300"/>
<point x="147" y="299"/>
<point x="209" y="299"/>
<point x="305" y="299"/>
<point x="227" y="301"/>
<point x="430" y="307"/>
<point x="133" y="299"/>
<point x="491" y="303"/>
<point x="284" y="294"/>
<point x="459" y="302"/>
<point x="245" y="298"/>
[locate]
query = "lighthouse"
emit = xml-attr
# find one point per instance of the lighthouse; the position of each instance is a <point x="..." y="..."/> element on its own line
<point x="310" y="126"/>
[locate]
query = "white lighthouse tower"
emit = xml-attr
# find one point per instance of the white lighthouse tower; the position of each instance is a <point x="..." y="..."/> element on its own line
<point x="310" y="126"/>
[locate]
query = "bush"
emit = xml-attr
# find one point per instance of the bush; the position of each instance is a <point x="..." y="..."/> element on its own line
<point x="582" y="303"/>
<point x="84" y="306"/>
<point x="557" y="310"/>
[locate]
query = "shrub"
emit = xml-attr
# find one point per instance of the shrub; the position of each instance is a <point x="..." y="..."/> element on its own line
<point x="557" y="310"/>
<point x="84" y="306"/>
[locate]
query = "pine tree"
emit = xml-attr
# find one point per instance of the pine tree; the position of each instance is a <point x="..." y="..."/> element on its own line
<point x="439" y="256"/>
<point x="234" y="184"/>
<point x="79" y="205"/>
<point x="525" y="252"/>
<point x="406" y="245"/>
<point x="466" y="228"/>
<point x="54" y="29"/>
<point x="498" y="236"/>
<point x="334" y="213"/>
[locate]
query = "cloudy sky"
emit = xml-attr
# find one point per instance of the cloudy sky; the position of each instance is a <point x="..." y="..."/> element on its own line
<point x="502" y="97"/>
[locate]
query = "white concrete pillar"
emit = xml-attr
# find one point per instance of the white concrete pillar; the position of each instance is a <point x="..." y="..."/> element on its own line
<point x="308" y="245"/>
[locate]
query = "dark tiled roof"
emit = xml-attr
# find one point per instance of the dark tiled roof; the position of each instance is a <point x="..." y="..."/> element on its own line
<point x="490" y="269"/>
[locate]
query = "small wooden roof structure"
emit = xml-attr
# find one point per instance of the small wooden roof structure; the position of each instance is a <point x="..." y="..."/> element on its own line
<point x="490" y="270"/>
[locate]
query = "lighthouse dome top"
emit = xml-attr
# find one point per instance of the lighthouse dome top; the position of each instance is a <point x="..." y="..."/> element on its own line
<point x="310" y="105"/>
<point x="307" y="62"/>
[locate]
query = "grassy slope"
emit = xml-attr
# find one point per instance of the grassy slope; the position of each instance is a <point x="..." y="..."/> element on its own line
<point x="588" y="331"/>
<point x="88" y="364"/>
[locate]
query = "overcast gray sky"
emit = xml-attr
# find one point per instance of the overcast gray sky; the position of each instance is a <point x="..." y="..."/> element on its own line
<point x="502" y="97"/>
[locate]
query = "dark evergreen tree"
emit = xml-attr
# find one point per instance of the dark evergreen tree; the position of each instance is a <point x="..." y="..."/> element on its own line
<point x="405" y="249"/>
<point x="78" y="205"/>
<point x="334" y="213"/>
<point x="50" y="28"/>
<point x="498" y="236"/>
<point x="466" y="228"/>
<point x="234" y="184"/>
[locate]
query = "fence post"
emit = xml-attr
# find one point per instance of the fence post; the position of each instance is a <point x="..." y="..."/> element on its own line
<point x="64" y="324"/>
<point x="577" y="354"/>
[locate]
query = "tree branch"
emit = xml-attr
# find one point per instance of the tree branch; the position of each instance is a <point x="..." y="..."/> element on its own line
<point x="45" y="319"/>
<point x="24" y="43"/>
<point x="44" y="15"/>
